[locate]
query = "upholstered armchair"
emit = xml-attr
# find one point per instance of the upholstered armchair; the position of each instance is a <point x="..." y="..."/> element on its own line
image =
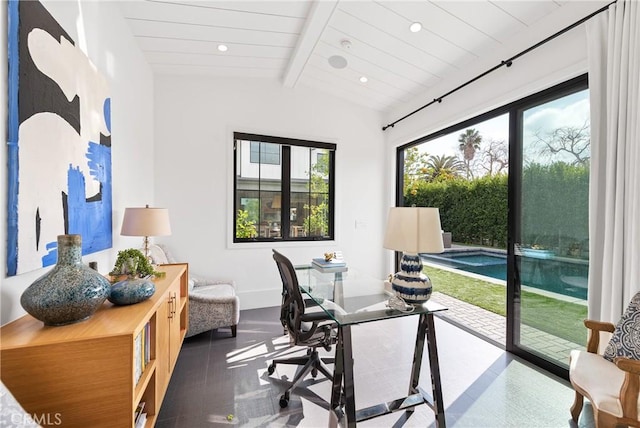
<point x="609" y="380"/>
<point x="212" y="303"/>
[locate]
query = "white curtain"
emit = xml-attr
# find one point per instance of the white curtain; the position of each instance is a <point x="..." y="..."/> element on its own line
<point x="613" y="39"/>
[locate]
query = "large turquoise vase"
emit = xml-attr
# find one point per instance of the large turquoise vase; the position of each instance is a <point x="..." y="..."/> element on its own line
<point x="68" y="293"/>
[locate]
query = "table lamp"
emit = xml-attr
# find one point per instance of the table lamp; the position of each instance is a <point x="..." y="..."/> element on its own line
<point x="276" y="203"/>
<point x="146" y="222"/>
<point x="413" y="230"/>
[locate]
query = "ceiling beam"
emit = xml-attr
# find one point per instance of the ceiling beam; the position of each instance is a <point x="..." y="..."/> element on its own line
<point x="319" y="16"/>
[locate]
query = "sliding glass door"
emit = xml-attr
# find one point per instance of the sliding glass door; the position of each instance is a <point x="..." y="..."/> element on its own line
<point x="549" y="223"/>
<point x="512" y="188"/>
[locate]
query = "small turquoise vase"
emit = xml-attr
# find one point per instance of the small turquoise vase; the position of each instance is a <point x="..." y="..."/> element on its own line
<point x="68" y="293"/>
<point x="131" y="291"/>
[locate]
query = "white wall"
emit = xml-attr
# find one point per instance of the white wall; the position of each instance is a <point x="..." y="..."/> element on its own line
<point x="101" y="32"/>
<point x="195" y="121"/>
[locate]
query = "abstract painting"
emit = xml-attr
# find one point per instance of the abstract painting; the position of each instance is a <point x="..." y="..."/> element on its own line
<point x="59" y="142"/>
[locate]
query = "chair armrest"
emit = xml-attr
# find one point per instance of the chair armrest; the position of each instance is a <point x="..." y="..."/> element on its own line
<point x="193" y="297"/>
<point x="320" y="322"/>
<point x="595" y="327"/>
<point x="628" y="365"/>
<point x="599" y="325"/>
<point x="315" y="316"/>
<point x="629" y="391"/>
<point x="309" y="303"/>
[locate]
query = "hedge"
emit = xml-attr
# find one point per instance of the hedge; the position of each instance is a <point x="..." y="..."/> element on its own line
<point x="475" y="211"/>
<point x="555" y="212"/>
<point x="554" y="207"/>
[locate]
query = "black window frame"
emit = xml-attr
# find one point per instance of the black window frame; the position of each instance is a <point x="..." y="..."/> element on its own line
<point x="285" y="145"/>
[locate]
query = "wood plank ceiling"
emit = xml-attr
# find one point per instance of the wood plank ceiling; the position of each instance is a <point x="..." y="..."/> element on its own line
<point x="291" y="41"/>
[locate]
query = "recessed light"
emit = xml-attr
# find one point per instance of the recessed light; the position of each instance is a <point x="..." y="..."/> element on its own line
<point x="364" y="79"/>
<point x="337" y="61"/>
<point x="415" y="27"/>
<point x="223" y="48"/>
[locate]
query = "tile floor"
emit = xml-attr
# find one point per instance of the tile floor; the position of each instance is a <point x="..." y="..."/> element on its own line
<point x="217" y="377"/>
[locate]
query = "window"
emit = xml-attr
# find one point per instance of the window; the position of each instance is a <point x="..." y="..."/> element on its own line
<point x="283" y="189"/>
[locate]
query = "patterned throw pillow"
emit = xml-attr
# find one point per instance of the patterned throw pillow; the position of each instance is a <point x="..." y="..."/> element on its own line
<point x="625" y="341"/>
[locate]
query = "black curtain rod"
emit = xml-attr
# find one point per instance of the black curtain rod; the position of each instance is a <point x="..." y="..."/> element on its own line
<point x="506" y="62"/>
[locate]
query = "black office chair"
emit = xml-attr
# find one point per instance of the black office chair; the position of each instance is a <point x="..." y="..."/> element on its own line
<point x="311" y="329"/>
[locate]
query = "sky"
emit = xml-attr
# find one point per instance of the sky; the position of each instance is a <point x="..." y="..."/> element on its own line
<point x="572" y="110"/>
<point x="496" y="129"/>
<point x="569" y="111"/>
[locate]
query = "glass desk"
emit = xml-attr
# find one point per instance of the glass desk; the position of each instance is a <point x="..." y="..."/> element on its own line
<point x="350" y="300"/>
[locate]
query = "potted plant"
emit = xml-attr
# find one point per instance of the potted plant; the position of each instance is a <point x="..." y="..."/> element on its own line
<point x="133" y="263"/>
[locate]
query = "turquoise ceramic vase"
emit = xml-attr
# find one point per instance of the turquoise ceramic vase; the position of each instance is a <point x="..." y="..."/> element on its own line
<point x="131" y="291"/>
<point x="68" y="293"/>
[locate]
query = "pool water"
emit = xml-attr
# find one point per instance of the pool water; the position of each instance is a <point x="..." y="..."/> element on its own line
<point x="493" y="265"/>
<point x="565" y="276"/>
<point x="475" y="258"/>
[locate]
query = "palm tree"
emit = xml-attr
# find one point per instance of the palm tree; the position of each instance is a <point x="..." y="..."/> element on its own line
<point x="443" y="167"/>
<point x="469" y="141"/>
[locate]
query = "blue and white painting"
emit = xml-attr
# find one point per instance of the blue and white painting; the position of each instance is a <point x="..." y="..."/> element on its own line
<point x="59" y="142"/>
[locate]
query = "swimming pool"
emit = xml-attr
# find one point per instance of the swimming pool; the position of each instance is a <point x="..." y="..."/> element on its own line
<point x="559" y="275"/>
<point x="457" y="258"/>
<point x="487" y="263"/>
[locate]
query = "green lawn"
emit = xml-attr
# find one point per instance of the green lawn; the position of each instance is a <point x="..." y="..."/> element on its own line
<point x="557" y="317"/>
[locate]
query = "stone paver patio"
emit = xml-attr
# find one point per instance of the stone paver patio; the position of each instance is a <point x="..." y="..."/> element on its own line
<point x="493" y="327"/>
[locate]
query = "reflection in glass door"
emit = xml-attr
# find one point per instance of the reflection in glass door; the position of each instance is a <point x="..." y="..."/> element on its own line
<point x="551" y="234"/>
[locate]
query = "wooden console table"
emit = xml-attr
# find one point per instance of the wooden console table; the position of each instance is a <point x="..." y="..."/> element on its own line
<point x="93" y="373"/>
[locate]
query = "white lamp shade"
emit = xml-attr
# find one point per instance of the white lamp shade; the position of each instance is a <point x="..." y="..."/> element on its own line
<point x="414" y="230"/>
<point x="146" y="222"/>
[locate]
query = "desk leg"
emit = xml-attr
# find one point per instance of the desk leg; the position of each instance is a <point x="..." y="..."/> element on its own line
<point x="417" y="355"/>
<point x="438" y="405"/>
<point x="343" y="374"/>
<point x="338" y="370"/>
<point x="338" y="293"/>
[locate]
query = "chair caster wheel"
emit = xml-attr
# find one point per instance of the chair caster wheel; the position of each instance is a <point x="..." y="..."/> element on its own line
<point x="271" y="368"/>
<point x="314" y="373"/>
<point x="284" y="400"/>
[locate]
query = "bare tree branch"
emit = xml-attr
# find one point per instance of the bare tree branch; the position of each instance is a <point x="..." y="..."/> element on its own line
<point x="571" y="140"/>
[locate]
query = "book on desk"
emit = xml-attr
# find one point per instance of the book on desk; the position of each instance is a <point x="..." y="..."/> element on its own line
<point x="328" y="264"/>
